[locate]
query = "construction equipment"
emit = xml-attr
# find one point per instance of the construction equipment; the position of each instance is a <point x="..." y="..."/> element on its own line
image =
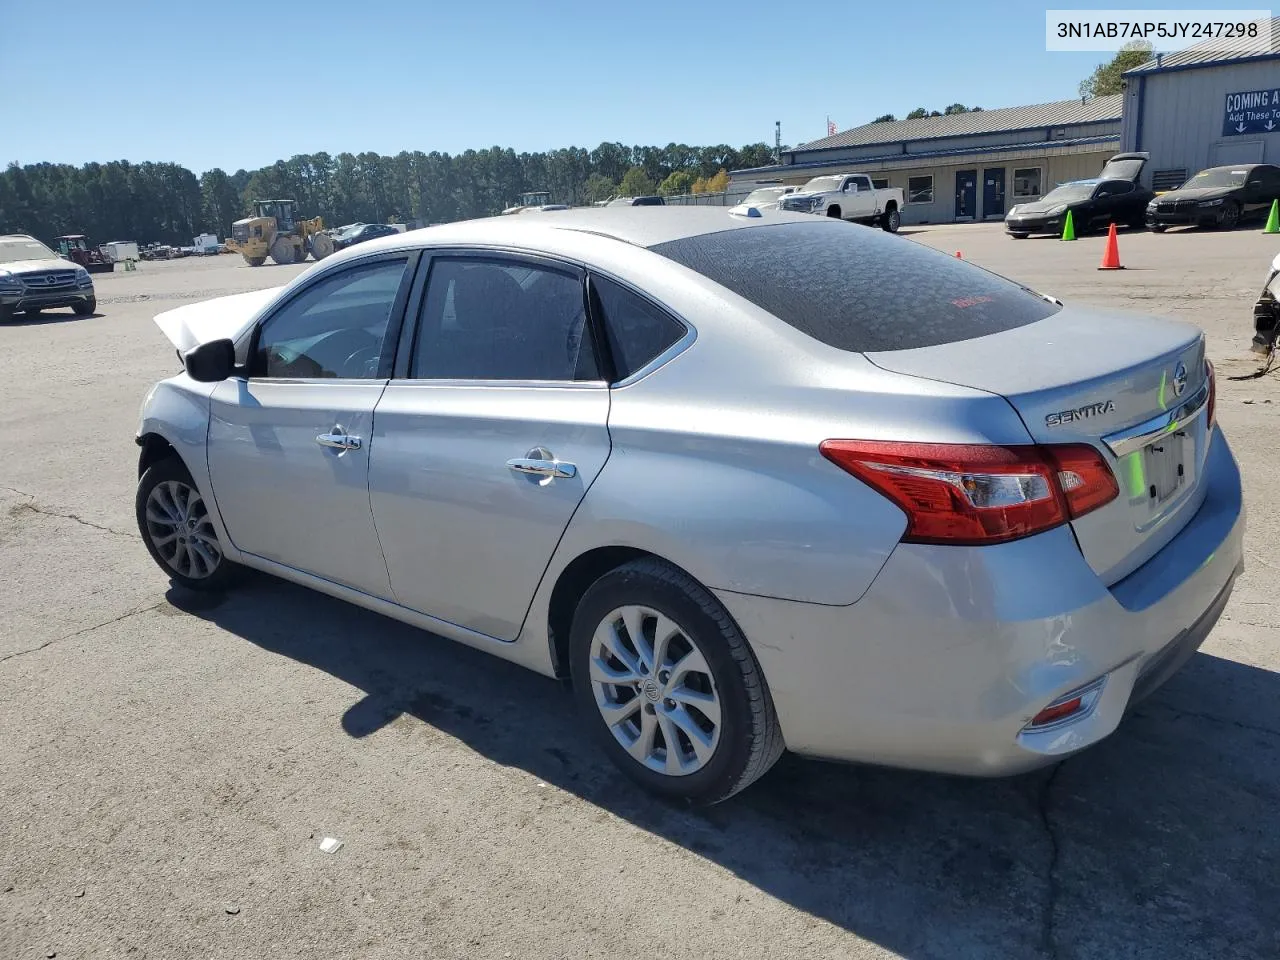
<point x="274" y="231"/>
<point x="76" y="248"/>
<point x="532" y="200"/>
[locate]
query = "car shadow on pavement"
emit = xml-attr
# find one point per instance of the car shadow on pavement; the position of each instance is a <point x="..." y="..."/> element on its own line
<point x="42" y="318"/>
<point x="1160" y="842"/>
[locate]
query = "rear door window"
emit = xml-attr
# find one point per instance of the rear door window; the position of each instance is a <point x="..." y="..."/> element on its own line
<point x="857" y="288"/>
<point x="637" y="330"/>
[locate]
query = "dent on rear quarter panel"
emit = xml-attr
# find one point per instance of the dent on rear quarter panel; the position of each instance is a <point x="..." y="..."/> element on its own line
<point x="753" y="516"/>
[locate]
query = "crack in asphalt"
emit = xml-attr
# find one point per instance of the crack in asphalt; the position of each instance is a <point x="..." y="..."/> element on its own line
<point x="1225" y="721"/>
<point x="1048" y="920"/>
<point x="35" y="507"/>
<point x="82" y="630"/>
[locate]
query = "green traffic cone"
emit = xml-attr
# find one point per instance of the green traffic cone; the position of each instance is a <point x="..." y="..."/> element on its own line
<point x="1069" y="228"/>
<point x="1273" y="221"/>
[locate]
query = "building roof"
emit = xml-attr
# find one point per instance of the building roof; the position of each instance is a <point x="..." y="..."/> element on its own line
<point x="1061" y="113"/>
<point x="896" y="159"/>
<point x="1211" y="52"/>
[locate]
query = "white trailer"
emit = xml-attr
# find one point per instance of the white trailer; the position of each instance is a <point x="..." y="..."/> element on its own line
<point x="206" y="243"/>
<point x="118" y="251"/>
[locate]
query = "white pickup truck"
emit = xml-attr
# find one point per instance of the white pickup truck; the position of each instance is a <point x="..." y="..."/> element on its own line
<point x="849" y="196"/>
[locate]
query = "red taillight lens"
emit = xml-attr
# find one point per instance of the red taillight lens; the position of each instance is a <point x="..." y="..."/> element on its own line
<point x="1213" y="389"/>
<point x="978" y="494"/>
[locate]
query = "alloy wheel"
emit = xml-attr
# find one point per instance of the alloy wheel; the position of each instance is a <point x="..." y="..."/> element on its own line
<point x="655" y="691"/>
<point x="180" y="529"/>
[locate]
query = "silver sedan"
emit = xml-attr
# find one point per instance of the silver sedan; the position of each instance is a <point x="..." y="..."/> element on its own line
<point x="754" y="481"/>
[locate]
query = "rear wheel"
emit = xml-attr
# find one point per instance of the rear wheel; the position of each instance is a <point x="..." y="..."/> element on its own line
<point x="175" y="525"/>
<point x="254" y="261"/>
<point x="891" y="220"/>
<point x="668" y="683"/>
<point x="32" y="312"/>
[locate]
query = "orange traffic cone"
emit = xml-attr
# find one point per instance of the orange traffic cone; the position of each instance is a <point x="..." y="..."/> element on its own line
<point x="1111" y="255"/>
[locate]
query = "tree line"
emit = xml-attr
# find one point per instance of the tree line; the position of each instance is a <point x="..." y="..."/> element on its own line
<point x="167" y="203"/>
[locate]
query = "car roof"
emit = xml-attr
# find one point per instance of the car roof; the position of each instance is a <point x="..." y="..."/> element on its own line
<point x="1237" y="166"/>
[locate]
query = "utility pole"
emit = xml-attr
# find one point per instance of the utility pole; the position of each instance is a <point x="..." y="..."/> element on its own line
<point x="777" y="141"/>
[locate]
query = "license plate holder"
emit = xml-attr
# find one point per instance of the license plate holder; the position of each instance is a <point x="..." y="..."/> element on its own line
<point x="1165" y="467"/>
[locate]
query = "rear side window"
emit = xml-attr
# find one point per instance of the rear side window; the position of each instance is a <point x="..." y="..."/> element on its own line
<point x="637" y="330"/>
<point x="857" y="288"/>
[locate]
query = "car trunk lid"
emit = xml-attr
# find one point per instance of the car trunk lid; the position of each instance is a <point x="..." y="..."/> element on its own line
<point x="1132" y="387"/>
<point x="1125" y="166"/>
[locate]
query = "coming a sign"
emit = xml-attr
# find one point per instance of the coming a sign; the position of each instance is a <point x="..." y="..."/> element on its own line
<point x="1251" y="111"/>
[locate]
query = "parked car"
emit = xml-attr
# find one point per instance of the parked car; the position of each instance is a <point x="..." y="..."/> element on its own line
<point x="34" y="278"/>
<point x="1220" y="197"/>
<point x="1116" y="196"/>
<point x="745" y="497"/>
<point x="636" y="202"/>
<point x="1266" y="313"/>
<point x="849" y="197"/>
<point x="767" y="198"/>
<point x="363" y="232"/>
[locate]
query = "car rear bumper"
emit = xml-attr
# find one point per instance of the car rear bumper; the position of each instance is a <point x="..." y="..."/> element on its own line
<point x="953" y="650"/>
<point x="39" y="300"/>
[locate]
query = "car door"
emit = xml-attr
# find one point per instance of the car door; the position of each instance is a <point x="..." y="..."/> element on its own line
<point x="1257" y="192"/>
<point x="488" y="438"/>
<point x="289" y="443"/>
<point x="859" y="201"/>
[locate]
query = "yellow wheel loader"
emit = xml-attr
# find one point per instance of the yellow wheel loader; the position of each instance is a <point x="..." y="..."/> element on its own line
<point x="274" y="232"/>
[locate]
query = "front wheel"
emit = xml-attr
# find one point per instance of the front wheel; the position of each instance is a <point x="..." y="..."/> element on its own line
<point x="86" y="308"/>
<point x="175" y="525"/>
<point x="1158" y="227"/>
<point x="668" y="683"/>
<point x="891" y="221"/>
<point x="1230" y="216"/>
<point x="1018" y="236"/>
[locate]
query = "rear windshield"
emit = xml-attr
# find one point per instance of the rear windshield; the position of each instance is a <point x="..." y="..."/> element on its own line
<point x="858" y="288"/>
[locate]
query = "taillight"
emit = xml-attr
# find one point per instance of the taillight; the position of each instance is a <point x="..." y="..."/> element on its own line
<point x="1213" y="390"/>
<point x="979" y="494"/>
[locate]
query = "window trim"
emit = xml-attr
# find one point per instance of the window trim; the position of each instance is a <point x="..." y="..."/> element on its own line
<point x="395" y="322"/>
<point x="907" y="201"/>
<point x="411" y="329"/>
<point x="598" y="321"/>
<point x="1026" y="197"/>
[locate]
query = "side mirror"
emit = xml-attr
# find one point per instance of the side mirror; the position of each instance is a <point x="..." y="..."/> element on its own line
<point x="210" y="362"/>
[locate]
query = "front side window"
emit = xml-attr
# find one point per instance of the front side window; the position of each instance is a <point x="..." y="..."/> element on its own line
<point x="920" y="189"/>
<point x="637" y="330"/>
<point x="1026" y="182"/>
<point x="502" y="320"/>
<point x="336" y="328"/>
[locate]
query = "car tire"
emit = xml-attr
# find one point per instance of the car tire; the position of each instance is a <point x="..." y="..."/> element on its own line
<point x="721" y="698"/>
<point x="833" y="212"/>
<point x="891" y="221"/>
<point x="86" y="309"/>
<point x="32" y="312"/>
<point x="167" y="516"/>
<point x="255" y="261"/>
<point x="1157" y="227"/>
<point x="6" y="313"/>
<point x="1230" y="216"/>
<point x="1018" y="236"/>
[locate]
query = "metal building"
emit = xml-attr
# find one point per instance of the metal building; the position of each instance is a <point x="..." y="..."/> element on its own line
<point x="967" y="166"/>
<point x="1204" y="107"/>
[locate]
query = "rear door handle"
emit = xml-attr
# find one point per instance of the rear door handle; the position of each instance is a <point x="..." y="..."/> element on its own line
<point x="541" y="462"/>
<point x="339" y="441"/>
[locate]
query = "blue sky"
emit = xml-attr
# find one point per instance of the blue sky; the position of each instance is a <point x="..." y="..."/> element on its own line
<point x="233" y="84"/>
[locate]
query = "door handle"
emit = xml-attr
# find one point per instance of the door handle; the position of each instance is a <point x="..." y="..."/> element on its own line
<point x="541" y="462"/>
<point x="339" y="441"/>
